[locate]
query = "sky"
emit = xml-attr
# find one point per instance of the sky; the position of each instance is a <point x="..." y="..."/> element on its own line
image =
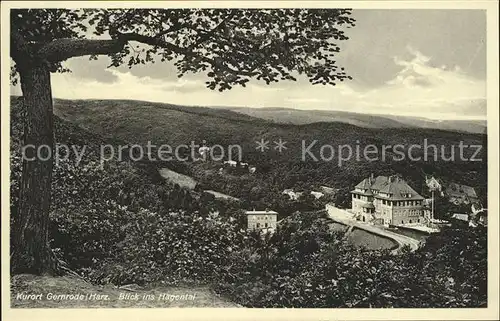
<point x="429" y="63"/>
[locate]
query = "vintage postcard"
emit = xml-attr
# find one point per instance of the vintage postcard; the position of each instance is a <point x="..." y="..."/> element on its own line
<point x="250" y="160"/>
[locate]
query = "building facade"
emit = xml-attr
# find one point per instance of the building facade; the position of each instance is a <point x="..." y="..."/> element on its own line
<point x="262" y="220"/>
<point x="387" y="200"/>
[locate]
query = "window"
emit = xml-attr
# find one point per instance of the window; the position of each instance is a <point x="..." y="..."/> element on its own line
<point x="265" y="225"/>
<point x="258" y="225"/>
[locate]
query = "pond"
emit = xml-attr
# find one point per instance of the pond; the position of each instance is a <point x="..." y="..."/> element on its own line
<point x="365" y="239"/>
<point x="418" y="235"/>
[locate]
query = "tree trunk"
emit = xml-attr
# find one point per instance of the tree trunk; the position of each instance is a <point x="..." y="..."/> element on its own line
<point x="31" y="250"/>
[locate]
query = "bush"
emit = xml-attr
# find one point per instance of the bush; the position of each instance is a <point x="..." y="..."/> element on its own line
<point x="306" y="265"/>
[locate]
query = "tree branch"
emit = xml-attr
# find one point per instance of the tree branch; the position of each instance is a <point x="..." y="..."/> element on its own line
<point x="208" y="33"/>
<point x="160" y="42"/>
<point x="62" y="49"/>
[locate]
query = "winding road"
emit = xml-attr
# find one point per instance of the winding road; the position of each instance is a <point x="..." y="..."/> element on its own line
<point x="346" y="218"/>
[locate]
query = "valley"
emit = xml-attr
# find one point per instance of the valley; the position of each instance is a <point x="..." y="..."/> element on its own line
<point x="194" y="211"/>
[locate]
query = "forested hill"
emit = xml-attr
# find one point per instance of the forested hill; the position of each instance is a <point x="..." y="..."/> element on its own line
<point x="298" y="116"/>
<point x="140" y="122"/>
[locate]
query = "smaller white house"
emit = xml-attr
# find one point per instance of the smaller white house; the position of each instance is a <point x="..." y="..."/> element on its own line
<point x="203" y="150"/>
<point x="230" y="163"/>
<point x="293" y="195"/>
<point x="461" y="217"/>
<point x="262" y="220"/>
<point x="476" y="208"/>
<point x="318" y="195"/>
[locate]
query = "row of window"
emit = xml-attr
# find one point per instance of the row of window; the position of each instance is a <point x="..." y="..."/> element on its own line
<point x="409" y="212"/>
<point x="256" y="217"/>
<point x="258" y="225"/>
<point x="388" y="202"/>
<point x="410" y="221"/>
<point x="401" y="203"/>
<point x="363" y="198"/>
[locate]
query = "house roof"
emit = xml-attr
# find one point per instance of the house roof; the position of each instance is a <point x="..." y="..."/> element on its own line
<point x="379" y="182"/>
<point x="261" y="213"/>
<point x="396" y="187"/>
<point x="483" y="212"/>
<point x="462" y="217"/>
<point x="460" y="190"/>
<point x="328" y="190"/>
<point x="364" y="184"/>
<point x="433" y="182"/>
<point x="367" y="193"/>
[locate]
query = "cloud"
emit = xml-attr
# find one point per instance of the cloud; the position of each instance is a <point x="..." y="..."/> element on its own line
<point x="92" y="70"/>
<point x="421" y="86"/>
<point x="418" y="72"/>
<point x="417" y="87"/>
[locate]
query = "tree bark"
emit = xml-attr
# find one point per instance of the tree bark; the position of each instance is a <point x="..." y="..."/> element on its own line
<point x="31" y="250"/>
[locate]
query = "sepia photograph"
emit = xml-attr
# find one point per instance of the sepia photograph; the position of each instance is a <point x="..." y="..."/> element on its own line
<point x="250" y="157"/>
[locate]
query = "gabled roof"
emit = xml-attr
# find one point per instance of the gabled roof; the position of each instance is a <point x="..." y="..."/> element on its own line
<point x="364" y="184"/>
<point x="432" y="181"/>
<point x="462" y="217"/>
<point x="261" y="213"/>
<point x="328" y="190"/>
<point x="396" y="187"/>
<point x="484" y="212"/>
<point x="460" y="190"/>
<point x="380" y="182"/>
